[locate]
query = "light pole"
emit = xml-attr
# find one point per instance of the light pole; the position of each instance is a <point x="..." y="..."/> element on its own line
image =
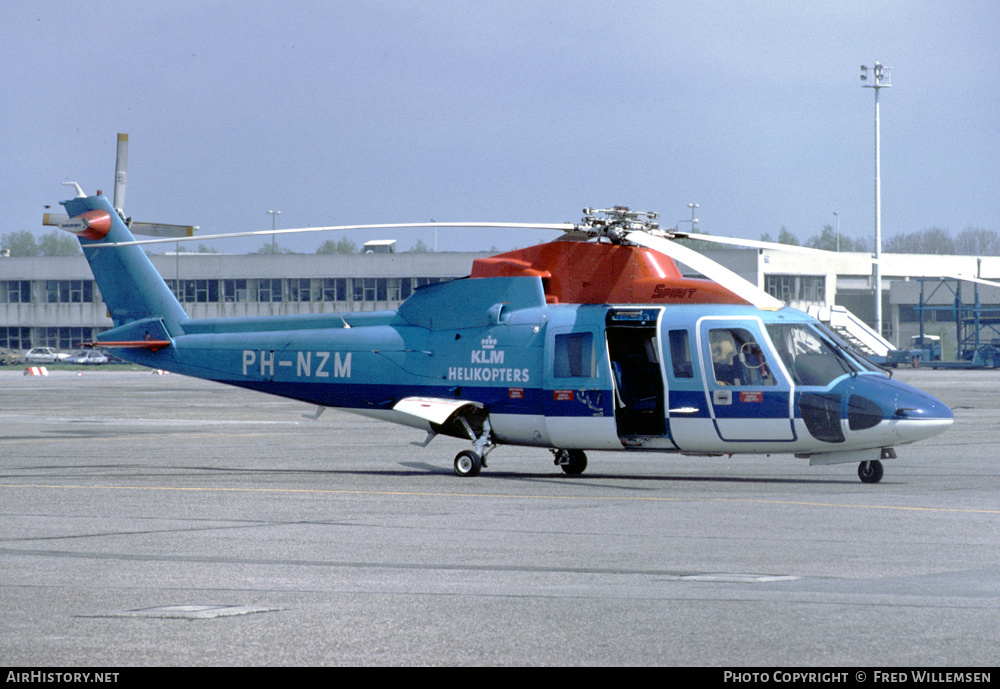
<point x="274" y="215"/>
<point x="837" y="215"/>
<point x="880" y="78"/>
<point x="693" y="220"/>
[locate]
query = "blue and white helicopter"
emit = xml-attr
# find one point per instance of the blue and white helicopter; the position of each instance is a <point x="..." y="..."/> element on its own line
<point x="591" y="342"/>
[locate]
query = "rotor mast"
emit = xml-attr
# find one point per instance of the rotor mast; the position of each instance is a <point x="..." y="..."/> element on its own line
<point x="617" y="222"/>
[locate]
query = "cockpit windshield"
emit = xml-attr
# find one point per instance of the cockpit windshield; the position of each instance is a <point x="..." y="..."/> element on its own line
<point x="810" y="358"/>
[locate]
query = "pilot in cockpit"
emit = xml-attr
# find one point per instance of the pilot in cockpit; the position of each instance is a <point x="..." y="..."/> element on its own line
<point x="723" y="353"/>
<point x="737" y="359"/>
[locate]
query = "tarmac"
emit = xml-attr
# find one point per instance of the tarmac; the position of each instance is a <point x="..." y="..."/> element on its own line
<point x="162" y="520"/>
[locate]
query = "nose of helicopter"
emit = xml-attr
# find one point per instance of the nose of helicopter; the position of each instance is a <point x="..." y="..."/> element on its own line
<point x="907" y="413"/>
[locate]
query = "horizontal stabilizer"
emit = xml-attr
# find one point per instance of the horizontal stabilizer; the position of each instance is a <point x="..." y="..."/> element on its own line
<point x="148" y="333"/>
<point x="151" y="345"/>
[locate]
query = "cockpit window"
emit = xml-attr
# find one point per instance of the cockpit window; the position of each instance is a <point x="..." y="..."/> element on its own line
<point x="737" y="359"/>
<point x="844" y="348"/>
<point x="809" y="358"/>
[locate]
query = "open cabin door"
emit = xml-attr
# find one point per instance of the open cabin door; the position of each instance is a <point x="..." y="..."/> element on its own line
<point x="576" y="405"/>
<point x="634" y="352"/>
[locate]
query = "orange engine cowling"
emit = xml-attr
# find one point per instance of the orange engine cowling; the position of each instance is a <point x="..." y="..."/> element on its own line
<point x="593" y="273"/>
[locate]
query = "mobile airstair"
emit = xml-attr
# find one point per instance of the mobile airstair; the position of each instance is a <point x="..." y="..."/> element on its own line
<point x="854" y="331"/>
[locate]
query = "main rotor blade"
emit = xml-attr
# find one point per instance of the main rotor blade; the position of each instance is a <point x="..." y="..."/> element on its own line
<point x="151" y="229"/>
<point x="966" y="278"/>
<point x="751" y="243"/>
<point x="267" y="233"/>
<point x="121" y="172"/>
<point x="713" y="271"/>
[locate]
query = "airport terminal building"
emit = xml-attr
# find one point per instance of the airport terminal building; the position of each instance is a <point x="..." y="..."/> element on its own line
<point x="54" y="301"/>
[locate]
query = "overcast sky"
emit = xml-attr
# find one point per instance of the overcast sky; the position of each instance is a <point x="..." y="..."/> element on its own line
<point x="516" y="110"/>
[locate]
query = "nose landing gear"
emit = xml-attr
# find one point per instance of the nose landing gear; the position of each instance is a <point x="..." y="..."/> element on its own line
<point x="870" y="472"/>
<point x="468" y="463"/>
<point x="572" y="462"/>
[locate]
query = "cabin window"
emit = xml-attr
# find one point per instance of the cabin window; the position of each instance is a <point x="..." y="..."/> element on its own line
<point x="574" y="356"/>
<point x="680" y="354"/>
<point x="737" y="359"/>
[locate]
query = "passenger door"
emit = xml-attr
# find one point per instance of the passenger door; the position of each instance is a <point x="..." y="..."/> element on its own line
<point x="578" y="410"/>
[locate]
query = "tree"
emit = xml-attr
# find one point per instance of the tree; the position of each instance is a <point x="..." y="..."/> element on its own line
<point x="860" y="244"/>
<point x="786" y="237"/>
<point x="341" y="246"/>
<point x="272" y="249"/>
<point x="933" y="240"/>
<point x="976" y="241"/>
<point x="419" y="247"/>
<point x="58" y="243"/>
<point x="20" y="243"/>
<point x="826" y="240"/>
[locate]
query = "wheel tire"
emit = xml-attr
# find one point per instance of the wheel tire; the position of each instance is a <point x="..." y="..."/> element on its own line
<point x="468" y="463"/>
<point x="870" y="472"/>
<point x="576" y="462"/>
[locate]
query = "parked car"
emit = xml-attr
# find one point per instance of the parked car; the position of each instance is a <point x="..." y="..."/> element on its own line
<point x="44" y="355"/>
<point x="112" y="359"/>
<point x="9" y="357"/>
<point x="87" y="357"/>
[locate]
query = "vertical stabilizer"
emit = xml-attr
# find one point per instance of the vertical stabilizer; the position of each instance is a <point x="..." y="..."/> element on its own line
<point x="130" y="285"/>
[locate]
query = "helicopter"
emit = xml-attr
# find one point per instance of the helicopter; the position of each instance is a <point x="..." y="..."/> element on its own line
<point x="592" y="342"/>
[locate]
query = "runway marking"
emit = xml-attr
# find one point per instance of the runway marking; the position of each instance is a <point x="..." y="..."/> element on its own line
<point x="512" y="496"/>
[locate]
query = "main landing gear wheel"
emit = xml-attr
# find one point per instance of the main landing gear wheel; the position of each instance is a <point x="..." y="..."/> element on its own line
<point x="870" y="472"/>
<point x="468" y="463"/>
<point x="572" y="462"/>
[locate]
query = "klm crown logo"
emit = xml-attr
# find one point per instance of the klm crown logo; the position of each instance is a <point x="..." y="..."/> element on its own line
<point x="489" y="354"/>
